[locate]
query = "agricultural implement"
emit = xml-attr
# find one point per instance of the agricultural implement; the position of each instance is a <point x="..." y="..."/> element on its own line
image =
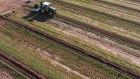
<point x="44" y="8"/>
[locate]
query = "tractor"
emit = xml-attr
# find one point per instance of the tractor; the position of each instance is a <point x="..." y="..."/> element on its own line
<point x="44" y="8"/>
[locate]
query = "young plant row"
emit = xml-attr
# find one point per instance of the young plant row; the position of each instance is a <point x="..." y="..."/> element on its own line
<point x="26" y="51"/>
<point x="78" y="43"/>
<point x="131" y="4"/>
<point x="101" y="21"/>
<point x="5" y="68"/>
<point x="100" y="11"/>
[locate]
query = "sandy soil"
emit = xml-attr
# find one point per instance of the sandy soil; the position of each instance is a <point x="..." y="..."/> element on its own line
<point x="7" y="5"/>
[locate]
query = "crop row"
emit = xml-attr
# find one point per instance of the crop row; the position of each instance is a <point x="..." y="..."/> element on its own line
<point x="121" y="6"/>
<point x="86" y="7"/>
<point x="67" y="57"/>
<point x="29" y="49"/>
<point x="14" y="73"/>
<point x="58" y="35"/>
<point x="111" y="24"/>
<point x="121" y="10"/>
<point x="119" y="37"/>
<point x="19" y="66"/>
<point x="131" y="4"/>
<point x="92" y="23"/>
<point x="101" y="21"/>
<point x="82" y="51"/>
<point x="114" y="9"/>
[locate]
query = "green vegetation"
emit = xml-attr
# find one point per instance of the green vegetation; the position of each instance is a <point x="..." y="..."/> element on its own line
<point x="108" y="23"/>
<point x="23" y="45"/>
<point x="126" y="3"/>
<point x="80" y="43"/>
<point x="22" y="52"/>
<point x="15" y="74"/>
<point x="105" y="9"/>
<point x="111" y="8"/>
<point x="26" y="46"/>
<point x="101" y="21"/>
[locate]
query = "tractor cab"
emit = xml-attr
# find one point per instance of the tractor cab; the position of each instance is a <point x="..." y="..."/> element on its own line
<point x="45" y="8"/>
<point x="46" y="4"/>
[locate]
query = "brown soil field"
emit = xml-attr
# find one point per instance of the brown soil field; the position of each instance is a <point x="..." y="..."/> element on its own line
<point x="7" y="5"/>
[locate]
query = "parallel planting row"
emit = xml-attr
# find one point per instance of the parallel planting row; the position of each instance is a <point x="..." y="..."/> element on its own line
<point x="31" y="53"/>
<point x="72" y="45"/>
<point x="132" y="4"/>
<point x="88" y="54"/>
<point x="75" y="9"/>
<point x="20" y="67"/>
<point x="101" y="11"/>
<point x="124" y="29"/>
<point x="5" y="68"/>
<point x="120" y="27"/>
<point x="112" y="9"/>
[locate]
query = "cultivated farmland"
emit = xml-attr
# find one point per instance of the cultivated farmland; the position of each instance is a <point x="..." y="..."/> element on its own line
<point x="85" y="39"/>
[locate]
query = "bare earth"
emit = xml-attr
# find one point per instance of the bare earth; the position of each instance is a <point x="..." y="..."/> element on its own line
<point x="7" y="5"/>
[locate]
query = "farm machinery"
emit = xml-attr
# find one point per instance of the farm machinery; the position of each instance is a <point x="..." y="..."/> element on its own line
<point x="44" y="8"/>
